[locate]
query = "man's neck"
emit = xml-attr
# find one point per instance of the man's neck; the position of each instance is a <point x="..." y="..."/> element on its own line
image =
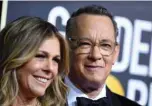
<point x="90" y="90"/>
<point x="92" y="93"/>
<point x="75" y="91"/>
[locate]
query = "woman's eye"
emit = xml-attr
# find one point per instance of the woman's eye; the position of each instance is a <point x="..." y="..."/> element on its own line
<point x="57" y="60"/>
<point x="40" y="56"/>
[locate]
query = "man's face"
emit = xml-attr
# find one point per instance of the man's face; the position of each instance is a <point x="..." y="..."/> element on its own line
<point x="92" y="68"/>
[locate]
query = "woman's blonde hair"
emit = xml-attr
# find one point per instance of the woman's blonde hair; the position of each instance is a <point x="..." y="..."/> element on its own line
<point x="19" y="42"/>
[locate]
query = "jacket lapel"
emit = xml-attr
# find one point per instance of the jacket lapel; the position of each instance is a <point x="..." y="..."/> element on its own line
<point x="114" y="101"/>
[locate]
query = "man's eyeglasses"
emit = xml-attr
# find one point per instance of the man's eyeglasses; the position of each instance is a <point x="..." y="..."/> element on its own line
<point x="85" y="45"/>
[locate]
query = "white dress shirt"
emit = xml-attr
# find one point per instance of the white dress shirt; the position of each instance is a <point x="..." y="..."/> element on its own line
<point x="75" y="92"/>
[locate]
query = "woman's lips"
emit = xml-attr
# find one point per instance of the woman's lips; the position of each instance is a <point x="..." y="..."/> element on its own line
<point x="41" y="79"/>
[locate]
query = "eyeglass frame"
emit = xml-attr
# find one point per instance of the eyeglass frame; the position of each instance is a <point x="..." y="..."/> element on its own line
<point x="70" y="39"/>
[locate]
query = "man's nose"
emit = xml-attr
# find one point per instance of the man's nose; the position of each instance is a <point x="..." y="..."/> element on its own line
<point x="95" y="53"/>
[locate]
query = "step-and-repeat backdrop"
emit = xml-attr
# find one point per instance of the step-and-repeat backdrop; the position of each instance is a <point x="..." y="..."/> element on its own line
<point x="132" y="74"/>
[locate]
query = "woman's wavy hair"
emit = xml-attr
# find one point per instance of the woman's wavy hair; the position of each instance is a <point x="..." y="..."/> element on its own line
<point x="19" y="42"/>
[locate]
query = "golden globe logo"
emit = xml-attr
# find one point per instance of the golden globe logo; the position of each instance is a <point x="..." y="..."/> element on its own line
<point x="115" y="85"/>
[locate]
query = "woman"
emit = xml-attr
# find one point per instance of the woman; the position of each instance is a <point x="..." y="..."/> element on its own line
<point x="33" y="62"/>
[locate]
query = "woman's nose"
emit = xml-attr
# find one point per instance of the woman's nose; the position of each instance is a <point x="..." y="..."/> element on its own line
<point x="48" y="66"/>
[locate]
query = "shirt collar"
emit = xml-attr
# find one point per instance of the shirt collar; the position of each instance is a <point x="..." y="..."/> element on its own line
<point x="75" y="92"/>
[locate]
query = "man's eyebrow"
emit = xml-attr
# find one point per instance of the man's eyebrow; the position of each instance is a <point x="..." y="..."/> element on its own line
<point x="102" y="40"/>
<point x="84" y="38"/>
<point x="106" y="40"/>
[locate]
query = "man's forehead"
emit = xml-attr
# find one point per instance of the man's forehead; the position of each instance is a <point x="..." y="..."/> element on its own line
<point x="94" y="27"/>
<point x="88" y="17"/>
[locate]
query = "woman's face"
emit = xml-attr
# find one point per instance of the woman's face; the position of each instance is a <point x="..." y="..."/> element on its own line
<point x="36" y="75"/>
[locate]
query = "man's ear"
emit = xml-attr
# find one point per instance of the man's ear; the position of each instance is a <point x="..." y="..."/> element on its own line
<point x="116" y="53"/>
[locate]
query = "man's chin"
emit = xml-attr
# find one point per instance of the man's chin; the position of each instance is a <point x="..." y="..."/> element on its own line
<point x="95" y="82"/>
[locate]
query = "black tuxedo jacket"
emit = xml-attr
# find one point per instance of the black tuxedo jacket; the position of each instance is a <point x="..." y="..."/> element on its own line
<point x="117" y="100"/>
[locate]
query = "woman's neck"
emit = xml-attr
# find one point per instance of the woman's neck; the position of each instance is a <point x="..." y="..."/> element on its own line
<point x="20" y="101"/>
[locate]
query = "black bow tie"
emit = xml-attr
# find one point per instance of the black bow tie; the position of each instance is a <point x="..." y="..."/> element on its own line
<point x="81" y="101"/>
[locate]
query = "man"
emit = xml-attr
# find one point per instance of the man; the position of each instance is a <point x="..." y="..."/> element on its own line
<point x="91" y="32"/>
